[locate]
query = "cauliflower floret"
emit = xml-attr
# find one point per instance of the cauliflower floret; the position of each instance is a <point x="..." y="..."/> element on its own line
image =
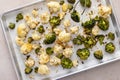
<point x="35" y="12"/>
<point x="45" y="17"/>
<point x="67" y="52"/>
<point x="27" y="18"/>
<point x="19" y="41"/>
<point x="61" y="15"/>
<point x="26" y="48"/>
<point x="22" y="31"/>
<point x="35" y="46"/>
<point x="30" y="62"/>
<point x="75" y="63"/>
<point x="44" y="58"/>
<point x="57" y="30"/>
<point x="64" y="7"/>
<point x="55" y="61"/>
<point x="58" y="49"/>
<point x="43" y="69"/>
<point x="53" y="6"/>
<point x="104" y="11"/>
<point x="66" y="23"/>
<point x="64" y="36"/>
<point x="74" y="30"/>
<point x="36" y="35"/>
<point x="32" y="23"/>
<point x="95" y="30"/>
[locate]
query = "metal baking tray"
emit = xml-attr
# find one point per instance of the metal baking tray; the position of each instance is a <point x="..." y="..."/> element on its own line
<point x="17" y="58"/>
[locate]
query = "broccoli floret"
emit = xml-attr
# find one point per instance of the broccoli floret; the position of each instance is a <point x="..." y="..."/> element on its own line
<point x="41" y="29"/>
<point x="83" y="53"/>
<point x="87" y="31"/>
<point x="28" y="70"/>
<point x="100" y="38"/>
<point x="71" y="1"/>
<point x="66" y="63"/>
<point x="70" y="6"/>
<point x="50" y="38"/>
<point x="55" y="21"/>
<point x="19" y="17"/>
<point x="103" y="23"/>
<point x="111" y="36"/>
<point x="12" y="25"/>
<point x="62" y="2"/>
<point x="30" y="39"/>
<point x="98" y="54"/>
<point x="49" y="51"/>
<point x="86" y="3"/>
<point x="110" y="47"/>
<point x="60" y="56"/>
<point x="36" y="69"/>
<point x="37" y="50"/>
<point x="76" y="41"/>
<point x="75" y="16"/>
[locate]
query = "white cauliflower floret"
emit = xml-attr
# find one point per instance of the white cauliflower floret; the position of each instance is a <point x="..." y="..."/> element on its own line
<point x="43" y="69"/>
<point x="104" y="11"/>
<point x="74" y="29"/>
<point x="64" y="36"/>
<point x="32" y="23"/>
<point x="66" y="23"/>
<point x="55" y="61"/>
<point x="61" y="15"/>
<point x="44" y="58"/>
<point x="44" y="18"/>
<point x="35" y="46"/>
<point x="27" y="18"/>
<point x="53" y="6"/>
<point x="67" y="52"/>
<point x="75" y="63"/>
<point x="19" y="41"/>
<point x="26" y="48"/>
<point x="57" y="30"/>
<point x="95" y="30"/>
<point x="35" y="12"/>
<point x="36" y="35"/>
<point x="64" y="7"/>
<point x="58" y="49"/>
<point x="22" y="31"/>
<point x="30" y="62"/>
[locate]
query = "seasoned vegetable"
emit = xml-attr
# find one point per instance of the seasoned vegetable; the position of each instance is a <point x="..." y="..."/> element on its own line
<point x="19" y="17"/>
<point x="28" y="70"/>
<point x="12" y="25"/>
<point x="50" y="38"/>
<point x="75" y="16"/>
<point x="89" y="24"/>
<point x="60" y="55"/>
<point x="111" y="36"/>
<point x="55" y="21"/>
<point x="86" y="3"/>
<point x="110" y="47"/>
<point x="70" y="6"/>
<point x="66" y="63"/>
<point x="77" y="41"/>
<point x="100" y="38"/>
<point x="103" y="24"/>
<point x="83" y="53"/>
<point x="71" y="1"/>
<point x="87" y="31"/>
<point x="98" y="54"/>
<point x="41" y="29"/>
<point x="30" y="39"/>
<point x="49" y="51"/>
<point x="36" y="69"/>
<point x="37" y="50"/>
<point x="62" y="2"/>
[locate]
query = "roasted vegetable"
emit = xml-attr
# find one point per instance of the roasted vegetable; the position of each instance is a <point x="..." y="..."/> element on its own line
<point x="111" y="36"/>
<point x="19" y="17"/>
<point x="55" y="21"/>
<point x="60" y="56"/>
<point x="78" y="40"/>
<point x="66" y="63"/>
<point x="71" y="1"/>
<point x="86" y="3"/>
<point x="37" y="50"/>
<point x="30" y="39"/>
<point x="98" y="54"/>
<point x="36" y="69"/>
<point x="75" y="16"/>
<point x="87" y="31"/>
<point x="103" y="24"/>
<point x="28" y="70"/>
<point x="62" y="2"/>
<point x="70" y="6"/>
<point x="12" y="25"/>
<point x="110" y="47"/>
<point x="49" y="51"/>
<point x="50" y="38"/>
<point x="41" y="29"/>
<point x="83" y="53"/>
<point x="100" y="38"/>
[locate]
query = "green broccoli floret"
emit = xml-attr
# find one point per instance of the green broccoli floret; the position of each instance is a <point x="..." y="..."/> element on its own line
<point x="62" y="2"/>
<point x="111" y="36"/>
<point x="12" y="25"/>
<point x="66" y="63"/>
<point x="98" y="54"/>
<point x="86" y="3"/>
<point x="36" y="69"/>
<point x="110" y="47"/>
<point x="100" y="38"/>
<point x="19" y="17"/>
<point x="75" y="16"/>
<point x="78" y="40"/>
<point x="70" y="6"/>
<point x="103" y="23"/>
<point x="55" y="21"/>
<point x="30" y="39"/>
<point x="60" y="56"/>
<point x="28" y="70"/>
<point x="50" y="38"/>
<point x="49" y="51"/>
<point x="87" y="31"/>
<point x="41" y="29"/>
<point x="37" y="50"/>
<point x="83" y="53"/>
<point x="71" y="1"/>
